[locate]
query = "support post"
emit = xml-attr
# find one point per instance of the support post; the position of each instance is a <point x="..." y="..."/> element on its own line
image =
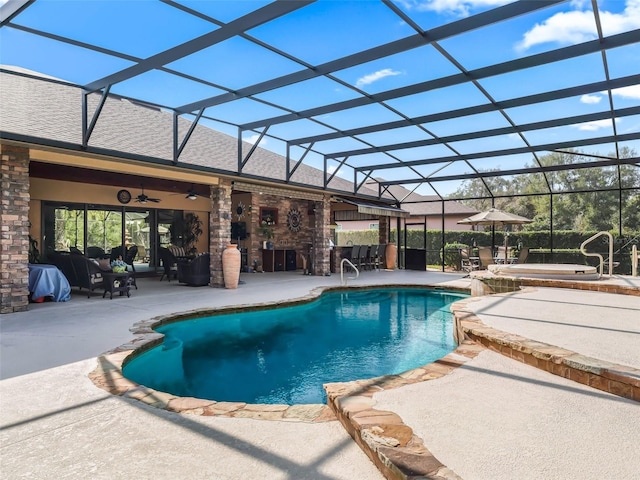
<point x="219" y="228"/>
<point x="14" y="229"/>
<point x="321" y="236"/>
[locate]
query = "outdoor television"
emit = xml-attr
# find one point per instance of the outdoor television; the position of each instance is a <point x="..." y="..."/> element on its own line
<point x="238" y="230"/>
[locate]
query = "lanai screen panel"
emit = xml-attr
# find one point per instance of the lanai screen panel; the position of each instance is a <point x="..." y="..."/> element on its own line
<point x="429" y="93"/>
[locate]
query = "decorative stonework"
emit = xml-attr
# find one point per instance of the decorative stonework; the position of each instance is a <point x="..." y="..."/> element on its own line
<point x="606" y="376"/>
<point x="14" y="229"/>
<point x="321" y="236"/>
<point x="387" y="441"/>
<point x="486" y="283"/>
<point x="219" y="228"/>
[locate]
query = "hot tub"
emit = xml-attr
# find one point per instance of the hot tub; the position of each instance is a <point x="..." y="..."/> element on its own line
<point x="561" y="271"/>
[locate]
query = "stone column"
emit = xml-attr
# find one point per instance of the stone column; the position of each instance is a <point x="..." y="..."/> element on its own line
<point x="384" y="230"/>
<point x="14" y="229"/>
<point x="321" y="236"/>
<point x="219" y="228"/>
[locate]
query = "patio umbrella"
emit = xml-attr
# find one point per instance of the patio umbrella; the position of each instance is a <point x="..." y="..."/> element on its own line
<point x="494" y="217"/>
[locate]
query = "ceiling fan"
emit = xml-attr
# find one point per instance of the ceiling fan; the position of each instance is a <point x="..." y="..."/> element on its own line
<point x="142" y="198"/>
<point x="191" y="194"/>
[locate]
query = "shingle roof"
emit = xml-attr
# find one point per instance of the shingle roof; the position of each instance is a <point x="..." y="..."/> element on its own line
<point x="52" y="111"/>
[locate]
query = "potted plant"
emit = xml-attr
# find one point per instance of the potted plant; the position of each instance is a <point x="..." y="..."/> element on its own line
<point x="267" y="231"/>
<point x="187" y="232"/>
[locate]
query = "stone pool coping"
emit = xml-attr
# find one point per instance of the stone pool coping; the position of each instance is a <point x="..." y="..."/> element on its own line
<point x="398" y="452"/>
<point x="390" y="444"/>
<point x="109" y="377"/>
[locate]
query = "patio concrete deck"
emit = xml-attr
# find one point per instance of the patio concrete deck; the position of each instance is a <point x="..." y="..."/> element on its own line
<point x="491" y="418"/>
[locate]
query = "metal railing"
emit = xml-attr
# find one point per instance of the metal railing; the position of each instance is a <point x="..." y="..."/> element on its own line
<point x="609" y="260"/>
<point x="343" y="281"/>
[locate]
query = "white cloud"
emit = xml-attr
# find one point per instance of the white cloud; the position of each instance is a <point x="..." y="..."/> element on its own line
<point x="374" y="77"/>
<point x="456" y="7"/>
<point x="632" y="91"/>
<point x="596" y="125"/>
<point x="590" y="99"/>
<point x="577" y="26"/>
<point x="254" y="138"/>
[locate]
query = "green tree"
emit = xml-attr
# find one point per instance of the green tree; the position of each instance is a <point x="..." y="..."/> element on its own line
<point x="584" y="208"/>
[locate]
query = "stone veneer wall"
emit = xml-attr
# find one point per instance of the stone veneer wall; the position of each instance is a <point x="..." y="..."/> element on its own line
<point x="219" y="228"/>
<point x="14" y="229"/>
<point x="282" y="236"/>
<point x="321" y="236"/>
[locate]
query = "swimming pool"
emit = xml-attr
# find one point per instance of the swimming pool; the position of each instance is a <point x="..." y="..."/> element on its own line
<point x="284" y="355"/>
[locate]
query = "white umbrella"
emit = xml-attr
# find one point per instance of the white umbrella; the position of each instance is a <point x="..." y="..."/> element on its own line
<point x="494" y="217"/>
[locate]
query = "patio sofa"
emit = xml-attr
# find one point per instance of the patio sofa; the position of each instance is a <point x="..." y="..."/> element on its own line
<point x="81" y="272"/>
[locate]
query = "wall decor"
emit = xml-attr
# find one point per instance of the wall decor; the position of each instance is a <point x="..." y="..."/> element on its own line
<point x="124" y="196"/>
<point x="241" y="210"/>
<point x="294" y="220"/>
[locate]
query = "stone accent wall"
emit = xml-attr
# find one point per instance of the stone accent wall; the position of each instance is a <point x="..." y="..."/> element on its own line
<point x="14" y="229"/>
<point x="321" y="236"/>
<point x="282" y="237"/>
<point x="219" y="228"/>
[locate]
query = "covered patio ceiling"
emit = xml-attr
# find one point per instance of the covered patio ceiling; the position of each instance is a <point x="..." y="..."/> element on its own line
<point x="416" y="93"/>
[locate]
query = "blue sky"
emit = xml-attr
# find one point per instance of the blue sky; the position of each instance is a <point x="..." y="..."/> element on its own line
<point x="331" y="29"/>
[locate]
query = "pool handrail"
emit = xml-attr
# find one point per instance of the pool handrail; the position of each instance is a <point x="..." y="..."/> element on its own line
<point x="610" y="260"/>
<point x="342" y="279"/>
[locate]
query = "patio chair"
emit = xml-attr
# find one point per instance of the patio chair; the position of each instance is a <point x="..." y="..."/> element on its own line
<point x="467" y="263"/>
<point x="129" y="257"/>
<point x="169" y="264"/>
<point x="363" y="261"/>
<point x="195" y="272"/>
<point x="96" y="252"/>
<point x="372" y="261"/>
<point x="81" y="272"/>
<point x="355" y="255"/>
<point x="522" y="256"/>
<point x="486" y="258"/>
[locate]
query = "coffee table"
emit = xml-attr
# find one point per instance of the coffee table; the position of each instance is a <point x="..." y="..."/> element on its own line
<point x="116" y="282"/>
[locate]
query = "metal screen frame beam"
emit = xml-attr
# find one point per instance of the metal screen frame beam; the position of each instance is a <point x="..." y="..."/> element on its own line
<point x="501" y="153"/>
<point x="231" y="29"/>
<point x="458" y="27"/>
<point x="536" y="60"/>
<point x="614" y="162"/>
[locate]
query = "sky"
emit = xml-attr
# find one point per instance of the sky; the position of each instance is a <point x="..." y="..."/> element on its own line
<point x="331" y="29"/>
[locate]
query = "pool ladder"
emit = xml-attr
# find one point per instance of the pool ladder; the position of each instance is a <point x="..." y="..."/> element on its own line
<point x="610" y="259"/>
<point x="343" y="281"/>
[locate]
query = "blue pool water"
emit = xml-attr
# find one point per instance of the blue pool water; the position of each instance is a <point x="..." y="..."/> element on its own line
<point x="284" y="355"/>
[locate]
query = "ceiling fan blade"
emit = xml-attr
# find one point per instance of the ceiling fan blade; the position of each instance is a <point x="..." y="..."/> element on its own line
<point x="154" y="200"/>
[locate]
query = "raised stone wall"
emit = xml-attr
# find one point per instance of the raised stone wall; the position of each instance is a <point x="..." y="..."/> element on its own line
<point x="14" y="229"/>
